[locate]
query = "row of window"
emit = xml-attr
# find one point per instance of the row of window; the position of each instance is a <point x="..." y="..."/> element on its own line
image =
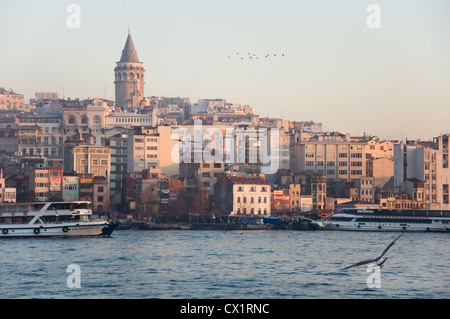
<point x="133" y="120"/>
<point x="92" y="150"/>
<point x="94" y="162"/>
<point x="252" y="200"/>
<point x="252" y="188"/>
<point x="332" y="164"/>
<point x="47" y="152"/>
<point x="252" y="211"/>
<point x="85" y="120"/>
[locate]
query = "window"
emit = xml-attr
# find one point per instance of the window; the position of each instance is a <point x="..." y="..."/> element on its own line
<point x="97" y="120"/>
<point x="72" y="120"/>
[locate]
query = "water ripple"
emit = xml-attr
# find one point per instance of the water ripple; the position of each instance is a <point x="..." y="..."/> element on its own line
<point x="225" y="264"/>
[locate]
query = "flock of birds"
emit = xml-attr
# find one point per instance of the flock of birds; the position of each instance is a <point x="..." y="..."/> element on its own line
<point x="253" y="56"/>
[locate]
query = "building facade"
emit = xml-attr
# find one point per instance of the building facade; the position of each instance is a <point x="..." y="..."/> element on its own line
<point x="152" y="147"/>
<point x="240" y="195"/>
<point x="337" y="159"/>
<point x="10" y="100"/>
<point x="88" y="159"/>
<point x="427" y="162"/>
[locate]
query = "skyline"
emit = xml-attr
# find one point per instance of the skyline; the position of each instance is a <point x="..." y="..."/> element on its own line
<point x="335" y="70"/>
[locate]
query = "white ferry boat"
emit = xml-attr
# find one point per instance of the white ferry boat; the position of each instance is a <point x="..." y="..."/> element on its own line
<point x="388" y="220"/>
<point x="42" y="219"/>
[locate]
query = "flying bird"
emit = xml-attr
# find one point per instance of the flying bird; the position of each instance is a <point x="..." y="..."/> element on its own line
<point x="379" y="261"/>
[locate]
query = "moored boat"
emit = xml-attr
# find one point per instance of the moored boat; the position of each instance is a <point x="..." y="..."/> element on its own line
<point x="46" y="219"/>
<point x="388" y="220"/>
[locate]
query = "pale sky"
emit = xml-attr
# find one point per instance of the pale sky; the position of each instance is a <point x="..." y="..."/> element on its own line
<point x="393" y="82"/>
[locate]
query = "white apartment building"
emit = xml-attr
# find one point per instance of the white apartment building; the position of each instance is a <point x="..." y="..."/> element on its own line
<point x="240" y="195"/>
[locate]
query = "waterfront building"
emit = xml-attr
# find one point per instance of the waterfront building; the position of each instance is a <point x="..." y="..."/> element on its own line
<point x="70" y="187"/>
<point x="427" y="162"/>
<point x="281" y="202"/>
<point x="318" y="191"/>
<point x="100" y="196"/>
<point x="366" y="189"/>
<point x="236" y="194"/>
<point x="55" y="178"/>
<point x="38" y="183"/>
<point x="296" y="198"/>
<point x="7" y="194"/>
<point x="86" y="187"/>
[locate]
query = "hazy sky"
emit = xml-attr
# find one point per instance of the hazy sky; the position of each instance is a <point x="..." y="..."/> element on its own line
<point x="393" y="82"/>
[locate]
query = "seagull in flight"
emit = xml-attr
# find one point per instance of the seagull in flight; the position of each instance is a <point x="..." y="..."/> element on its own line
<point x="379" y="261"/>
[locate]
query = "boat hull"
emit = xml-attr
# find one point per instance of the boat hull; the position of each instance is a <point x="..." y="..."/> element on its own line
<point x="386" y="227"/>
<point x="60" y="230"/>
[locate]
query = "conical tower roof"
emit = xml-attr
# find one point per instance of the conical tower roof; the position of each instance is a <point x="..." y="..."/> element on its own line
<point x="129" y="53"/>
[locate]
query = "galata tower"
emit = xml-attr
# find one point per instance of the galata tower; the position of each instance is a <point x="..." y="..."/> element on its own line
<point x="129" y="77"/>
